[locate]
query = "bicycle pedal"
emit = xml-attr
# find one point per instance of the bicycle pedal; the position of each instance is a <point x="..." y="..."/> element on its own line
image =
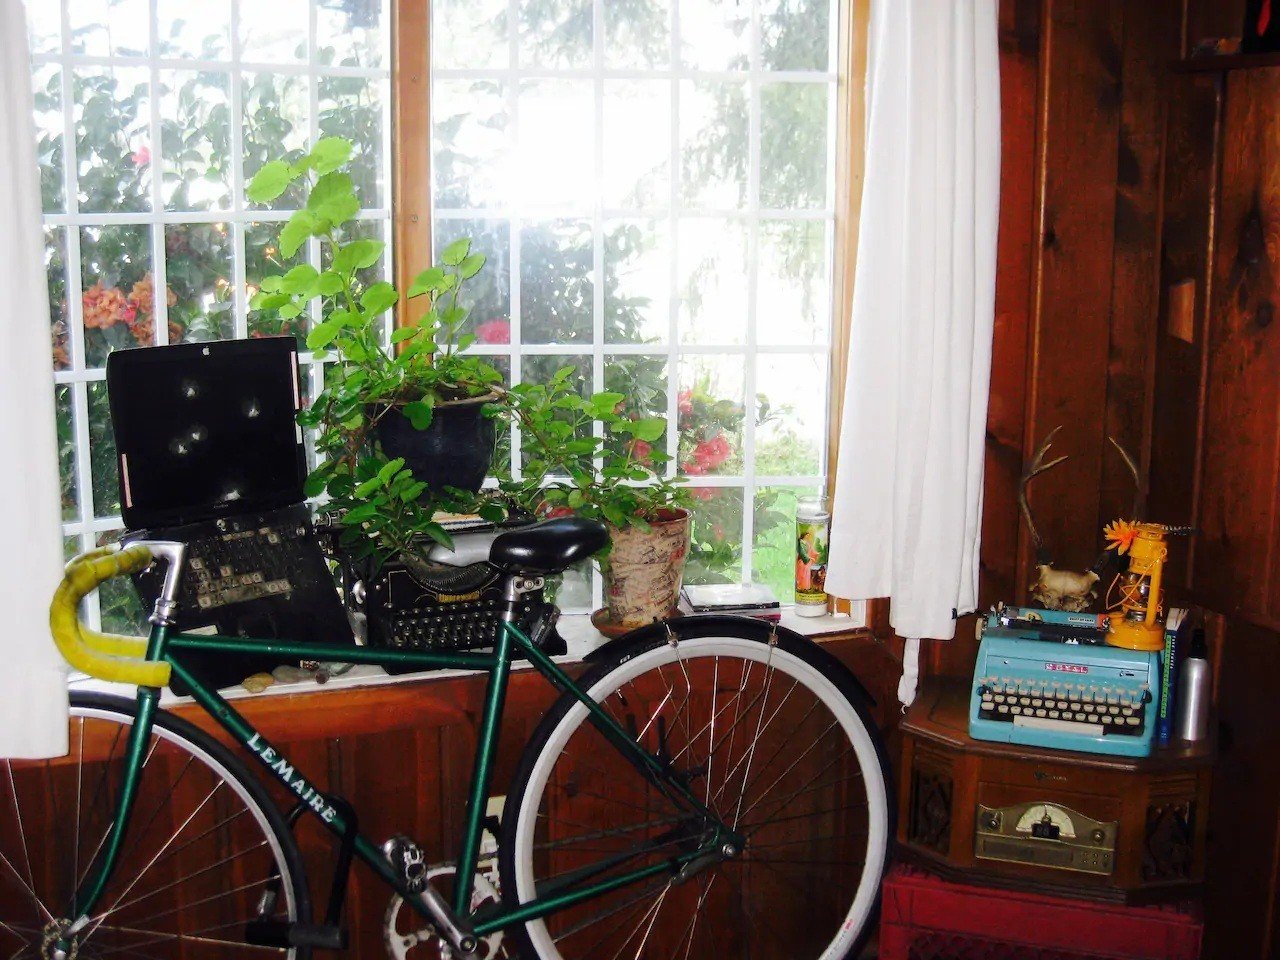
<point x="407" y="859"/>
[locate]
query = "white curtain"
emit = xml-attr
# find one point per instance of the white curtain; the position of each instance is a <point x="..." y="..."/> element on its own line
<point x="908" y="492"/>
<point x="33" y="686"/>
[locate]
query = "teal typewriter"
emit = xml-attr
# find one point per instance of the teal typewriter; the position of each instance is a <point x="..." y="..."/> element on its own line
<point x="1047" y="679"/>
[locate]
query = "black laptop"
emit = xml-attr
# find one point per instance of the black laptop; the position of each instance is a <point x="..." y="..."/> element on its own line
<point x="210" y="455"/>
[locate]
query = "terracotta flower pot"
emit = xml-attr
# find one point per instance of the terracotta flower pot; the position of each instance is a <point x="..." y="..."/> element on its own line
<point x="644" y="570"/>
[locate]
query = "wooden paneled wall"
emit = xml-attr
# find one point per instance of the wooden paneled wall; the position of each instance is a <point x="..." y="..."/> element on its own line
<point x="1139" y="276"/>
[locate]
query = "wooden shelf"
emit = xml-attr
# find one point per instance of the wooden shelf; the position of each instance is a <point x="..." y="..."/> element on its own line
<point x="1226" y="62"/>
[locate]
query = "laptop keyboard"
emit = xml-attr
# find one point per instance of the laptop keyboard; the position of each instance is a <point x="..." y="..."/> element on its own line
<point x="242" y="565"/>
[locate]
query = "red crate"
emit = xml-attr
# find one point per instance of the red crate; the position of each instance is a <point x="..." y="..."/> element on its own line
<point x="925" y="918"/>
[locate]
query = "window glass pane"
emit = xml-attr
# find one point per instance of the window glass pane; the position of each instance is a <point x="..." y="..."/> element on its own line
<point x="102" y="453"/>
<point x="555" y="33"/>
<point x="714" y="275"/>
<point x="715" y="34"/>
<point x="352" y="108"/>
<point x="715" y="552"/>
<point x="274" y="126"/>
<point x="555" y="156"/>
<point x="63" y="409"/>
<point x="352" y="33"/>
<point x="796" y="34"/>
<point x="488" y="293"/>
<point x="793" y="291"/>
<point x="636" y="144"/>
<point x="793" y="145"/>
<point x="714" y="150"/>
<point x="637" y="275"/>
<point x="194" y="30"/>
<point x="274" y="31"/>
<point x="46" y="85"/>
<point x="198" y="271"/>
<point x="556" y="282"/>
<point x="195" y="132"/>
<point x="471" y="117"/>
<point x="44" y="26"/>
<point x="55" y="268"/>
<point x="470" y="34"/>
<point x="113" y="134"/>
<point x="643" y="381"/>
<point x="637" y="33"/>
<point x="108" y="28"/>
<point x="773" y="552"/>
<point x="117" y="301"/>
<point x="262" y="258"/>
<point x="792" y="398"/>
<point x="711" y="412"/>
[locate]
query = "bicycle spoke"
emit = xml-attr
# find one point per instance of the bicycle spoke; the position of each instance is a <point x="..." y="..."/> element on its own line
<point x="191" y="876"/>
<point x="807" y="787"/>
<point x="26" y="856"/>
<point x="633" y="903"/>
<point x="650" y="915"/>
<point x="794" y="763"/>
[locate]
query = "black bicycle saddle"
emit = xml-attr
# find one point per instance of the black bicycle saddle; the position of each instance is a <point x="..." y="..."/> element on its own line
<point x="548" y="547"/>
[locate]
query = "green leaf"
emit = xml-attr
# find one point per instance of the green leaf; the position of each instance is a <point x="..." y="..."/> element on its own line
<point x="420" y="413"/>
<point x="356" y="255"/>
<point x="379" y="298"/>
<point x="390" y="469"/>
<point x="471" y="266"/>
<point x="271" y="284"/>
<point x="328" y="283"/>
<point x="366" y="488"/>
<point x="323" y="334"/>
<point x="413" y="491"/>
<point x="428" y="280"/>
<point x="269" y="182"/>
<point x="356" y="515"/>
<point x="295" y="233"/>
<point x="315" y="484"/>
<point x="456" y="252"/>
<point x="268" y="301"/>
<point x="290" y="310"/>
<point x="401" y="334"/>
<point x="649" y="429"/>
<point x="329" y="154"/>
<point x="602" y="404"/>
<point x="333" y="198"/>
<point x="298" y="279"/>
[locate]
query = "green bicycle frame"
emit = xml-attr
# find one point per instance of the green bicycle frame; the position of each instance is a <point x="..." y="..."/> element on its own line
<point x="170" y="647"/>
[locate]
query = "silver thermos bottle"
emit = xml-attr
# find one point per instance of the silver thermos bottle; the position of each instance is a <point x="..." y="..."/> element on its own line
<point x="1194" y="691"/>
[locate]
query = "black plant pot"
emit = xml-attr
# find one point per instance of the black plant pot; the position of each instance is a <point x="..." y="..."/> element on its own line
<point x="454" y="451"/>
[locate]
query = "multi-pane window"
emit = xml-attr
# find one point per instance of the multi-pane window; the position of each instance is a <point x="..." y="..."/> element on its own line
<point x="151" y="116"/>
<point x="653" y="183"/>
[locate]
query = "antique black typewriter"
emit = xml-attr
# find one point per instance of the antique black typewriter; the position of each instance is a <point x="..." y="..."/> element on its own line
<point x="440" y="607"/>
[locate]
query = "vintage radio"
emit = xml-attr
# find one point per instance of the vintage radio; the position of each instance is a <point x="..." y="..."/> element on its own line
<point x="1076" y="824"/>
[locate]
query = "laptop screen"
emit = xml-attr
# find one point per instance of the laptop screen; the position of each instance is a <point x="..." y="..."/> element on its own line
<point x="205" y="430"/>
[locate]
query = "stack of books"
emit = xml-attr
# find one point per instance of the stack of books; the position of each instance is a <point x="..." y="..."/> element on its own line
<point x="743" y="599"/>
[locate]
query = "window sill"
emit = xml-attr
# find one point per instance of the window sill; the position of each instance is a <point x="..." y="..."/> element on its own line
<point x="581" y="637"/>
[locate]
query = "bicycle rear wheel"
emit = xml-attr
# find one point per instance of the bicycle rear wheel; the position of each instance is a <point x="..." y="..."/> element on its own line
<point x="767" y="730"/>
<point x="205" y="849"/>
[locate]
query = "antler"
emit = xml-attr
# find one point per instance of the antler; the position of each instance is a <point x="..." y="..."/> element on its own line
<point x="1032" y="470"/>
<point x="1139" y="494"/>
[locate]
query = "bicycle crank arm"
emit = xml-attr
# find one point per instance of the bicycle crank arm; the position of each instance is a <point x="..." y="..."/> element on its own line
<point x="460" y="938"/>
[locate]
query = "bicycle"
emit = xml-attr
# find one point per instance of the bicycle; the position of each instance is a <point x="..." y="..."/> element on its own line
<point x="658" y="792"/>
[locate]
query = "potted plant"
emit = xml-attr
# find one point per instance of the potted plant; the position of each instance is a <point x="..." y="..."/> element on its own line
<point x="404" y="423"/>
<point x="592" y="457"/>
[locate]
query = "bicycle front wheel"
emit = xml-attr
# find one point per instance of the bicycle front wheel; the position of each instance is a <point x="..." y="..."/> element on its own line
<point x="206" y="850"/>
<point x="767" y="730"/>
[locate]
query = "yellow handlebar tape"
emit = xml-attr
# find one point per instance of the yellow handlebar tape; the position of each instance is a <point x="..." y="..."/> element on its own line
<point x="103" y="655"/>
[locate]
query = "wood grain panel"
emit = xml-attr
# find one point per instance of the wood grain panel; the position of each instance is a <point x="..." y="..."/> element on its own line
<point x="1006" y="411"/>
<point x="1238" y="510"/>
<point x="1190" y="184"/>
<point x="1152" y="38"/>
<point x="1080" y="103"/>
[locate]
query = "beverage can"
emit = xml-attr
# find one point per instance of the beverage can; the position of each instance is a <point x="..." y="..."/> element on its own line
<point x="813" y="526"/>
